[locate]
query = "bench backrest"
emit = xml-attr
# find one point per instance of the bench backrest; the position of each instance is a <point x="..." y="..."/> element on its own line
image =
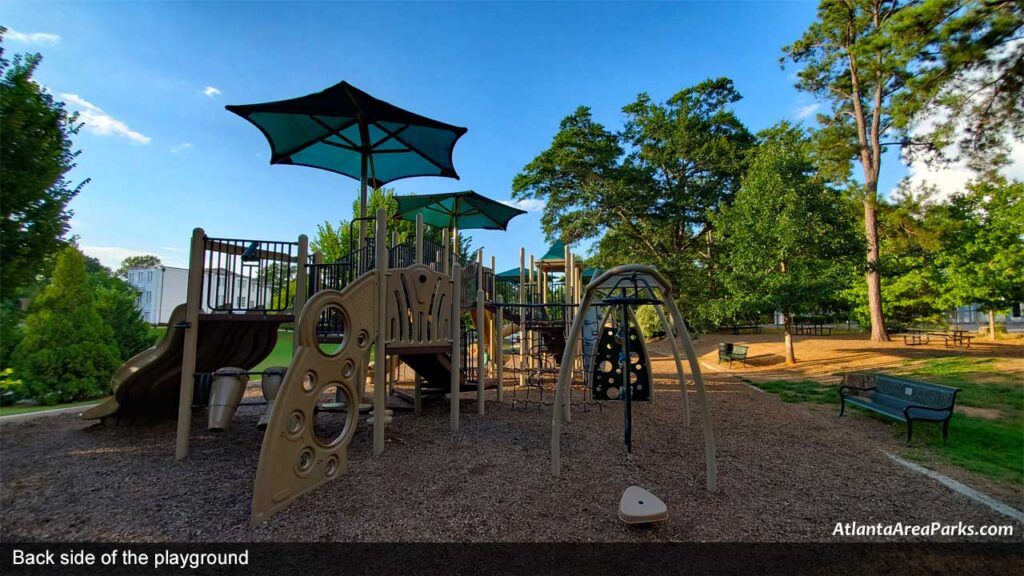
<point x="739" y="350"/>
<point x="893" y="390"/>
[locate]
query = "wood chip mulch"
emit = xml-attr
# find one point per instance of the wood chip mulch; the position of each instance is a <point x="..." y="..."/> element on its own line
<point x="786" y="473"/>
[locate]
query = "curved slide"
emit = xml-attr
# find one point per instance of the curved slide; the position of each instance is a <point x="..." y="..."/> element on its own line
<point x="146" y="387"/>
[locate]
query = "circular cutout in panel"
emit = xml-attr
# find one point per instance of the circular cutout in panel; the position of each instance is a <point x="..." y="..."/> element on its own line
<point x="612" y="392"/>
<point x="634" y="356"/>
<point x="296" y="420"/>
<point x="348" y="369"/>
<point x="309" y="381"/>
<point x="331" y="468"/>
<point x="633" y="377"/>
<point x="331" y="423"/>
<point x="606" y="366"/>
<point x="423" y="278"/>
<point x="331" y="330"/>
<point x="364" y="339"/>
<point x="305" y="461"/>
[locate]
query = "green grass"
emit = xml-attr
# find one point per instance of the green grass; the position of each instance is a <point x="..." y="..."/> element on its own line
<point x="281" y="355"/>
<point x="991" y="447"/>
<point x="12" y="410"/>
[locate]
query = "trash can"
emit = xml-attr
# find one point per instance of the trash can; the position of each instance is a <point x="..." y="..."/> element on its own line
<point x="225" y="395"/>
<point x="273" y="377"/>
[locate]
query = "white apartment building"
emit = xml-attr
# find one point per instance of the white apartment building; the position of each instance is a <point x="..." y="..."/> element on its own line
<point x="162" y="288"/>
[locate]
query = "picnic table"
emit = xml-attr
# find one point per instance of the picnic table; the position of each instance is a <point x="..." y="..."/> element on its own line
<point x="952" y="338"/>
<point x="754" y="328"/>
<point x="812" y="328"/>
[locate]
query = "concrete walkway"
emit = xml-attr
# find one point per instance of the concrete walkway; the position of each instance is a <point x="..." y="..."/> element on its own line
<point x="15" y="418"/>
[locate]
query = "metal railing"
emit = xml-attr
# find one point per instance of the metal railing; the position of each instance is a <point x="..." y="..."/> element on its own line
<point x="248" y="275"/>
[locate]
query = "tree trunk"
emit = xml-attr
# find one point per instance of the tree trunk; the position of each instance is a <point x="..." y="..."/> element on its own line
<point x="874" y="274"/>
<point x="991" y="324"/>
<point x="787" y="323"/>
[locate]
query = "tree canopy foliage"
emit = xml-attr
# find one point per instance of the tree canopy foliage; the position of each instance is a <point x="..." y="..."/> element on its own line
<point x="786" y="242"/>
<point x="34" y="160"/>
<point x="647" y="191"/>
<point x="143" y="261"/>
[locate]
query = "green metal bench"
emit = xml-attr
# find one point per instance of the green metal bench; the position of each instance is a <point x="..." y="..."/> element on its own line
<point x="732" y="352"/>
<point x="898" y="398"/>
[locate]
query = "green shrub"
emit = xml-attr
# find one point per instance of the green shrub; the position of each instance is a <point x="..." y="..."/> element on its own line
<point x="67" y="352"/>
<point x="650" y="323"/>
<point x="10" y="387"/>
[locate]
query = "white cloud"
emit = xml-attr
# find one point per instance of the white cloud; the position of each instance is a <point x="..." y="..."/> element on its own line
<point x="32" y="37"/>
<point x="111" y="256"/>
<point x="99" y="122"/>
<point x="211" y="91"/>
<point x="805" y="112"/>
<point x="528" y="204"/>
<point x="181" y="147"/>
<point x="952" y="178"/>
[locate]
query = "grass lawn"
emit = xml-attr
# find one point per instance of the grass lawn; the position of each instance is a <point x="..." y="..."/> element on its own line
<point x="12" y="410"/>
<point x="989" y="442"/>
<point x="281" y="355"/>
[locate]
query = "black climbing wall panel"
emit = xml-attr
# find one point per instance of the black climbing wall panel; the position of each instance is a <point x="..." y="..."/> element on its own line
<point x="608" y="378"/>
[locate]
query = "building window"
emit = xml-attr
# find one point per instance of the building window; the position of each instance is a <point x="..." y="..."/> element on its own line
<point x="149" y="276"/>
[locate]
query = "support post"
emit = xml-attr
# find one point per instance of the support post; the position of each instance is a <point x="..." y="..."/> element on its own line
<point x="522" y="317"/>
<point x="301" y="283"/>
<point x="481" y="332"/>
<point x="455" y="389"/>
<point x="419" y="238"/>
<point x="379" y="352"/>
<point x="445" y="248"/>
<point x="499" y="356"/>
<point x="194" y="304"/>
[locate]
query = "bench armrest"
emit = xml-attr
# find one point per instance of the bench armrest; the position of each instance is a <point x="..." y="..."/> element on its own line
<point x="857" y="388"/>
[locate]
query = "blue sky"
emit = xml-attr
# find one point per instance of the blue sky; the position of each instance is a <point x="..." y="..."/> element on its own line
<point x="164" y="156"/>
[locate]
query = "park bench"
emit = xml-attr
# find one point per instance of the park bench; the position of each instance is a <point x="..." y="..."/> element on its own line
<point x="898" y="398"/>
<point x="730" y="352"/>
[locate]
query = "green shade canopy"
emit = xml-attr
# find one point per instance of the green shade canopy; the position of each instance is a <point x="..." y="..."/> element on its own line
<point x="556" y="252"/>
<point x="512" y="274"/>
<point x="345" y="130"/>
<point x="590" y="273"/>
<point x="457" y="210"/>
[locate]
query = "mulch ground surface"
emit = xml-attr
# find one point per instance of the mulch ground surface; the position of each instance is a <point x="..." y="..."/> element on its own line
<point x="785" y="473"/>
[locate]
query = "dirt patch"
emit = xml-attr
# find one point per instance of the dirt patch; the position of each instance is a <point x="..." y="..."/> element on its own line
<point x="786" y="473"/>
<point x="986" y="413"/>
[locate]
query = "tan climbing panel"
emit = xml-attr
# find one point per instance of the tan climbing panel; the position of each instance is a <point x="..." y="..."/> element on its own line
<point x="419" y="308"/>
<point x="294" y="459"/>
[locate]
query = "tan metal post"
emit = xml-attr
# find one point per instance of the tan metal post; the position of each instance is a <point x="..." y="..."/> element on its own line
<point x="481" y="333"/>
<point x="522" y="316"/>
<point x="194" y="304"/>
<point x="379" y="353"/>
<point x="456" y="388"/>
<point x="419" y="238"/>
<point x="301" y="283"/>
<point x="444" y="251"/>
<point x="499" y="356"/>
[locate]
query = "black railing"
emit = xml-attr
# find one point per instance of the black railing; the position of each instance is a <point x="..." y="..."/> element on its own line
<point x="248" y="275"/>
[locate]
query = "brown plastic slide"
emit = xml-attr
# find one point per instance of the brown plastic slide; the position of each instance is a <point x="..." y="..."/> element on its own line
<point x="146" y="387"/>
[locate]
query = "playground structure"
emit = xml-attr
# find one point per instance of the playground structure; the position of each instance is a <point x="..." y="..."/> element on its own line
<point x="457" y="324"/>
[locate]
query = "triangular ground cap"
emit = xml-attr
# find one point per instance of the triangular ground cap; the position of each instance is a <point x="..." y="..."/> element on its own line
<point x="638" y="506"/>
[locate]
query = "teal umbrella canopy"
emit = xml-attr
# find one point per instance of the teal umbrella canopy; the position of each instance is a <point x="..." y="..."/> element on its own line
<point x="345" y="130"/>
<point x="512" y="274"/>
<point x="457" y="210"/>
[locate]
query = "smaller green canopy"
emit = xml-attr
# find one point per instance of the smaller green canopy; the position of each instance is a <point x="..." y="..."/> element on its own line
<point x="512" y="274"/>
<point x="590" y="273"/>
<point x="556" y="252"/>
<point x="459" y="210"/>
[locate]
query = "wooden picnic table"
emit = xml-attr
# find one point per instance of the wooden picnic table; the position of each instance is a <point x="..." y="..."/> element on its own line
<point x="954" y="338"/>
